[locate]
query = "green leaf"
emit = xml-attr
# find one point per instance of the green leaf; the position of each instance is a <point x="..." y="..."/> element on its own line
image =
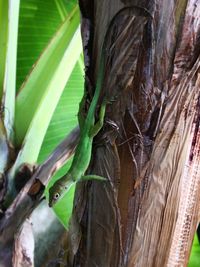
<point x="57" y="80"/>
<point x="48" y="78"/>
<point x="63" y="121"/>
<point x="64" y="118"/>
<point x="36" y="132"/>
<point x="42" y="90"/>
<point x="38" y="22"/>
<point x="10" y="73"/>
<point x="195" y="254"/>
<point x="61" y="9"/>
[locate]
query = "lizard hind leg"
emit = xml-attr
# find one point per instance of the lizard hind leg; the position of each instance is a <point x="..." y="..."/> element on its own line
<point x="92" y="177"/>
<point x="97" y="127"/>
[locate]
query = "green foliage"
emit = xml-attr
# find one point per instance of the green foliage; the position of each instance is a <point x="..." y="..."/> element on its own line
<point x="41" y="91"/>
<point x="39" y="96"/>
<point x="49" y="82"/>
<point x="9" y="26"/>
<point x="62" y="122"/>
<point x="195" y="254"/>
<point x="38" y="22"/>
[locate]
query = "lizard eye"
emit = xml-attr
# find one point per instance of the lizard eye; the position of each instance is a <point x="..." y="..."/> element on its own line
<point x="56" y="196"/>
<point x="66" y="187"/>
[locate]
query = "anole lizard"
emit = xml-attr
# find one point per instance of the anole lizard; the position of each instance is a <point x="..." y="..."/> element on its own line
<point x="82" y="156"/>
<point x="88" y="130"/>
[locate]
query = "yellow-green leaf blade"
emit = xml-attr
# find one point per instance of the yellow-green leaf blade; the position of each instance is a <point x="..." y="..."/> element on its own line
<point x="41" y="78"/>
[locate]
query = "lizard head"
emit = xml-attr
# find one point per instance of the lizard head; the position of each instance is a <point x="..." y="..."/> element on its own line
<point x="58" y="190"/>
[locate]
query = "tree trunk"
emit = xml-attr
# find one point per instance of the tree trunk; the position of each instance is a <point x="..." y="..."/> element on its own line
<point x="147" y="212"/>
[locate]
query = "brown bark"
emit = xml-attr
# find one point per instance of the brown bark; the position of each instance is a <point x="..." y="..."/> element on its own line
<point x="147" y="212"/>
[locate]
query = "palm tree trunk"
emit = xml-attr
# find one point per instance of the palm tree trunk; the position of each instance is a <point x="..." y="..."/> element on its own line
<point x="147" y="212"/>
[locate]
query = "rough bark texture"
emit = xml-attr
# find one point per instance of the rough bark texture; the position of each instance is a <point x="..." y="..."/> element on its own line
<point x="147" y="212"/>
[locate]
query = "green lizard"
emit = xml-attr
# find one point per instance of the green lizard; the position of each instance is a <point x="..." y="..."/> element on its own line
<point x="88" y="130"/>
<point x="82" y="155"/>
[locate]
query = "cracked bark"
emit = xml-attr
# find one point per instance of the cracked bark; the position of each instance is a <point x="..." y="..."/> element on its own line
<point x="146" y="215"/>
